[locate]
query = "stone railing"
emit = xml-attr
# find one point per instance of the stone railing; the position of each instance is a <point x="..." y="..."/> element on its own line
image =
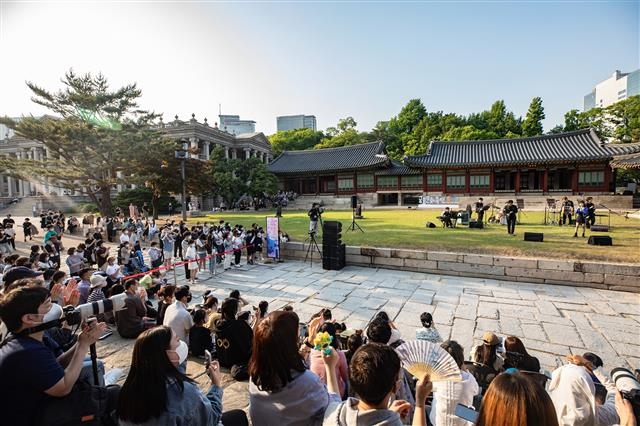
<point x="609" y="276"/>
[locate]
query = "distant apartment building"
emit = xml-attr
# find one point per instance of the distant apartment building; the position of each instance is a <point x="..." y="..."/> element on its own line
<point x="292" y="122"/>
<point x="616" y="88"/>
<point x="232" y="124"/>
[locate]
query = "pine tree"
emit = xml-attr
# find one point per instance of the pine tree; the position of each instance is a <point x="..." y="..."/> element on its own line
<point x="97" y="138"/>
<point x="532" y="125"/>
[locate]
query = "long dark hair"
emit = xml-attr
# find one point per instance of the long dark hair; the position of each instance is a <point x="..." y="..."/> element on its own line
<point x="275" y="351"/>
<point x="144" y="393"/>
<point x="486" y="354"/>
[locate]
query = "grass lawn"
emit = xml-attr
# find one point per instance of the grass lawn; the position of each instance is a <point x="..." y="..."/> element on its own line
<point x="406" y="229"/>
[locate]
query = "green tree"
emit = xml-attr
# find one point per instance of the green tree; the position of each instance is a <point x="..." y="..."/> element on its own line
<point x="235" y="178"/>
<point x="624" y="115"/>
<point x="403" y="125"/>
<point x="295" y="140"/>
<point x="99" y="138"/>
<point x="572" y="121"/>
<point x="532" y="125"/>
<point x="343" y="134"/>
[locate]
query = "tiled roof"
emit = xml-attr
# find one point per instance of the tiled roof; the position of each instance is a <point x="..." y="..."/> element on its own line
<point x="629" y="161"/>
<point x="397" y="169"/>
<point x="364" y="156"/>
<point x="573" y="147"/>
<point x="622" y="148"/>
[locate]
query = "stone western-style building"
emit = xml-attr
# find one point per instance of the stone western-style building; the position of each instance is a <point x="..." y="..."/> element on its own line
<point x="549" y="165"/>
<point x="198" y="135"/>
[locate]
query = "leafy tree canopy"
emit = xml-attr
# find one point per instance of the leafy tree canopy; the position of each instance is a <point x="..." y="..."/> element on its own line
<point x="295" y="140"/>
<point x="99" y="137"/>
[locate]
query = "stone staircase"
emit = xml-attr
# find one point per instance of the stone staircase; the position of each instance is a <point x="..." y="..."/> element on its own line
<point x="24" y="206"/>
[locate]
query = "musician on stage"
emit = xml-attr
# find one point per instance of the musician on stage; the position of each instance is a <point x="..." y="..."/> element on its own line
<point x="582" y="213"/>
<point x="567" y="211"/>
<point x="480" y="209"/>
<point x="445" y="217"/>
<point x="510" y="210"/>
<point x="591" y="215"/>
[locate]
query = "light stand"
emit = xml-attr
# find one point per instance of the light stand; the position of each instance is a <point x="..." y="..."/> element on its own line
<point x="354" y="225"/>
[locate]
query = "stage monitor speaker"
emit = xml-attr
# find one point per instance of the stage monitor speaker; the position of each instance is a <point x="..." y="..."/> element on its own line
<point x="534" y="236"/>
<point x="475" y="224"/>
<point x="600" y="240"/>
<point x="599" y="228"/>
<point x="354" y="201"/>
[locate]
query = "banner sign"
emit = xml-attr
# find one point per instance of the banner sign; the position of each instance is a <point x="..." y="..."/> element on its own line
<point x="273" y="240"/>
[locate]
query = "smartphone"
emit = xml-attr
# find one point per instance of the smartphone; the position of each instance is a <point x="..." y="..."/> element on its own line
<point x="466" y="413"/>
<point x="207" y="359"/>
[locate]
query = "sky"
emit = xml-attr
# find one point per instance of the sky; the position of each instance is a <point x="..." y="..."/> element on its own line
<point x="331" y="59"/>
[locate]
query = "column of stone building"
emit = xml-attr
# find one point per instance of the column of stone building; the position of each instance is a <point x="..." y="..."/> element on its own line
<point x="247" y="153"/>
<point x="193" y="143"/>
<point x="234" y="153"/>
<point x="226" y="152"/>
<point x="206" y="149"/>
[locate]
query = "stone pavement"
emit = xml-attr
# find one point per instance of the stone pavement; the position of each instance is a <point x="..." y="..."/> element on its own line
<point x="553" y="321"/>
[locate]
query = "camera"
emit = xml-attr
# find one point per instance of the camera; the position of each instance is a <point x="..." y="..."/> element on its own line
<point x="628" y="386"/>
<point x="75" y="315"/>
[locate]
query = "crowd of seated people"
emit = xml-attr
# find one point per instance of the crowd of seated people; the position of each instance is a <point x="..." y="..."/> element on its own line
<point x="357" y="379"/>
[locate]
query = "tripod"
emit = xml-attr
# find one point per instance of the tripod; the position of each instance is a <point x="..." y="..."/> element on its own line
<point x="310" y="249"/>
<point x="354" y="225"/>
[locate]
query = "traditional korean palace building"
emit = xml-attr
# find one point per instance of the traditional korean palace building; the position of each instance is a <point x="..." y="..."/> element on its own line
<point x="549" y="165"/>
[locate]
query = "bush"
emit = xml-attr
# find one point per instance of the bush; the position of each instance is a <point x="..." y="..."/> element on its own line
<point x="88" y="208"/>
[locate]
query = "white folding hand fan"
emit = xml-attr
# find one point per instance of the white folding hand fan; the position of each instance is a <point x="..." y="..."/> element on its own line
<point x="419" y="357"/>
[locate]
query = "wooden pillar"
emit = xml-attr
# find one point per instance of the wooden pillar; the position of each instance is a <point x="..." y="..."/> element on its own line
<point x="318" y="189"/>
<point x="355" y="183"/>
<point x="467" y="181"/>
<point x="575" y="187"/>
<point x="545" y="181"/>
<point x="444" y="181"/>
<point x="492" y="174"/>
<point x="424" y="180"/>
<point x="335" y="180"/>
<point x="517" y="185"/>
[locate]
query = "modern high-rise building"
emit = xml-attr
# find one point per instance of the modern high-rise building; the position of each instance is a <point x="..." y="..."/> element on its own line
<point x="292" y="122"/>
<point x="616" y="88"/>
<point x="232" y="124"/>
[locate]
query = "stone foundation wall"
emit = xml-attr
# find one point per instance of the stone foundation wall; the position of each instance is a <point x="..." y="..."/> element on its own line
<point x="608" y="276"/>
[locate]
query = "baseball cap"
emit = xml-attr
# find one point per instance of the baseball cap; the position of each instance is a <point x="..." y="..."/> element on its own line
<point x="19" y="272"/>
<point x="490" y="339"/>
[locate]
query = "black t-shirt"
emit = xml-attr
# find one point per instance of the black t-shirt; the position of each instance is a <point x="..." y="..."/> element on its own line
<point x="27" y="369"/>
<point x="314" y="213"/>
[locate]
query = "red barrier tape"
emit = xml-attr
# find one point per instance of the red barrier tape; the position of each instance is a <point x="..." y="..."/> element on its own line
<point x="184" y="262"/>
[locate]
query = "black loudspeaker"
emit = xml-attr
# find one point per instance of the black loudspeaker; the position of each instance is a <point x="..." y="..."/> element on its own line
<point x="475" y="224"/>
<point x="534" y="236"/>
<point x="431" y="225"/>
<point x="333" y="251"/>
<point x="354" y="201"/>
<point x="599" y="228"/>
<point x="600" y="240"/>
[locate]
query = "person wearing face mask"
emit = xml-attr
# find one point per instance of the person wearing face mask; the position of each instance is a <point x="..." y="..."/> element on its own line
<point x="178" y="318"/>
<point x="132" y="320"/>
<point x="156" y="392"/>
<point x="28" y="368"/>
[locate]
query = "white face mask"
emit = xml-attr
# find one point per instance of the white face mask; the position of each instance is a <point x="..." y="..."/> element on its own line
<point x="182" y="351"/>
<point x="54" y="313"/>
